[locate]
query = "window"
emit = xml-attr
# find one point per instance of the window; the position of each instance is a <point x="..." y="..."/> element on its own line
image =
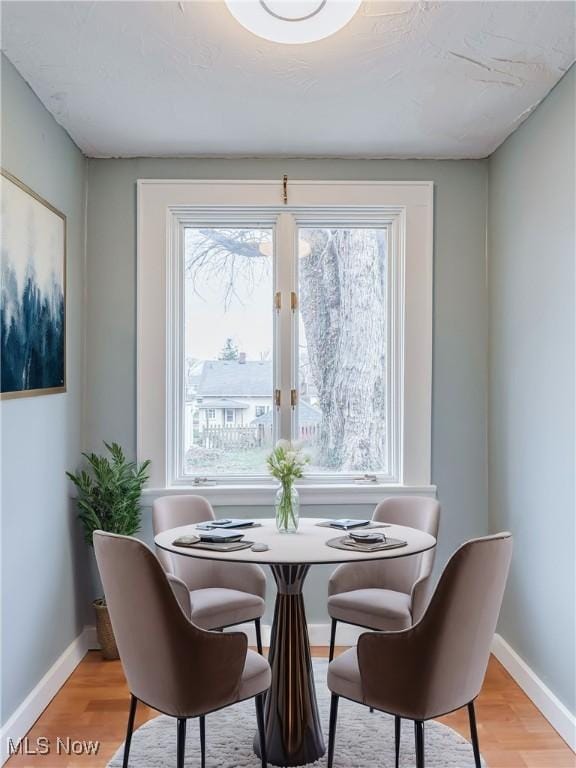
<point x="344" y="354"/>
<point x="310" y="321"/>
<point x="228" y="283"/>
<point x="335" y="344"/>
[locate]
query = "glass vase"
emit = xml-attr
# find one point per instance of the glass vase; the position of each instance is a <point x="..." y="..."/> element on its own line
<point x="287" y="509"/>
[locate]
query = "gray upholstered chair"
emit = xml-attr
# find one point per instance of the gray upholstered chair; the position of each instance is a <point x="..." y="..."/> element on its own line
<point x="170" y="664"/>
<point x="438" y="665"/>
<point x="221" y="594"/>
<point x="389" y="594"/>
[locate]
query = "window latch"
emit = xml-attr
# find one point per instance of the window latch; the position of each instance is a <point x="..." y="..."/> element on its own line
<point x="203" y="481"/>
<point x="366" y="479"/>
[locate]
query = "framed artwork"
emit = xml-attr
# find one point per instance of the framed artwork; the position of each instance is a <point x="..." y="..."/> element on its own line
<point x="33" y="293"/>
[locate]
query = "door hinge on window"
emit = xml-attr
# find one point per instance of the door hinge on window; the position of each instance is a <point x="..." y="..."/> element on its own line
<point x="293" y="397"/>
<point x="278" y="301"/>
<point x="293" y="301"/>
<point x="277" y="398"/>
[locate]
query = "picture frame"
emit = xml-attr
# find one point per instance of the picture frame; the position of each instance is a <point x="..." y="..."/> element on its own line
<point x="33" y="336"/>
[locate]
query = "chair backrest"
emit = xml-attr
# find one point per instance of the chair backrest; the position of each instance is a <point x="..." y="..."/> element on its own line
<point x="399" y="574"/>
<point x="172" y="512"/>
<point x="418" y="512"/>
<point x="439" y="664"/>
<point x="169" y="663"/>
<point x="175" y="511"/>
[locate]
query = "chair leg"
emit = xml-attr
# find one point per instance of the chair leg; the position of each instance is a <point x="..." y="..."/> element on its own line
<point x="202" y="741"/>
<point x="259" y="700"/>
<point x="129" y="729"/>
<point x="474" y="734"/>
<point x="419" y="733"/>
<point x="332" y="639"/>
<point x="181" y="742"/>
<point x="258" y="636"/>
<point x="397" y="732"/>
<point x="332" y="731"/>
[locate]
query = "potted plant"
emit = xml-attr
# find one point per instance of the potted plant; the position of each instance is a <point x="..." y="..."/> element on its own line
<point x="108" y="499"/>
<point x="286" y="463"/>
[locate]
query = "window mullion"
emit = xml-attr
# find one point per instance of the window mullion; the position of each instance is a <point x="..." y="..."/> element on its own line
<point x="285" y="374"/>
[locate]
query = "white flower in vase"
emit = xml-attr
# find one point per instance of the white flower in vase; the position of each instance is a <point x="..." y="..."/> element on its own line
<point x="286" y="463"/>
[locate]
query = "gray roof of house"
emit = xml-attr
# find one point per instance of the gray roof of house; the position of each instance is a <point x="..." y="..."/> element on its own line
<point x="308" y="414"/>
<point x="230" y="378"/>
<point x="221" y="402"/>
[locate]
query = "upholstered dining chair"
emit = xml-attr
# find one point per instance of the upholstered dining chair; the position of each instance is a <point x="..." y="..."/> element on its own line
<point x="221" y="594"/>
<point x="170" y="664"/>
<point x="437" y="665"/>
<point x="389" y="594"/>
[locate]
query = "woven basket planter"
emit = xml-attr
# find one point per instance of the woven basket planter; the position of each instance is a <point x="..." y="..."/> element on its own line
<point x="104" y="631"/>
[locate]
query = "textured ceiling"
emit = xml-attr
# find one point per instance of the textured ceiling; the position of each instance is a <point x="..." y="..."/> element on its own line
<point x="403" y="79"/>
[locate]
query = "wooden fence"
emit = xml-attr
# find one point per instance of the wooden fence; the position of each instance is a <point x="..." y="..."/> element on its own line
<point x="249" y="437"/>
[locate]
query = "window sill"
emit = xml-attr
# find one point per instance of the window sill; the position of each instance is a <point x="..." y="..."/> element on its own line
<point x="262" y="495"/>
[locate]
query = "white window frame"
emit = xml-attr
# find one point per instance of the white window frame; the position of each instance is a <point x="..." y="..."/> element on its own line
<point x="165" y="207"/>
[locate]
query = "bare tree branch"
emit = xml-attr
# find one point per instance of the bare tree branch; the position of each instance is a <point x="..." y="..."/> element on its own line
<point x="228" y="253"/>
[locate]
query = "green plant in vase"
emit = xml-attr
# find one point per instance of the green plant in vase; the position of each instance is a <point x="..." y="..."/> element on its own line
<point x="109" y="495"/>
<point x="286" y="463"/>
<point x="108" y="499"/>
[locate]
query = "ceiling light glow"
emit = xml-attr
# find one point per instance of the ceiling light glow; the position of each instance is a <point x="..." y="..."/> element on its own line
<point x="293" y="21"/>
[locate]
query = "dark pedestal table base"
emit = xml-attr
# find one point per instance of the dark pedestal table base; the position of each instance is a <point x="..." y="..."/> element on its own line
<point x="293" y="733"/>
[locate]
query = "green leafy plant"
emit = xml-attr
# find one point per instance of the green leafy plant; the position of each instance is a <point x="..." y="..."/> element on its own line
<point x="109" y="494"/>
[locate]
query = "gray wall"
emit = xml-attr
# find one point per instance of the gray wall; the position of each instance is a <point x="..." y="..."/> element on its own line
<point x="460" y="315"/>
<point x="42" y="606"/>
<point x="531" y="268"/>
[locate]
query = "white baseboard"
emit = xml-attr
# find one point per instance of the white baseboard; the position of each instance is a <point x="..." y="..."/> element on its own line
<point x="20" y="722"/>
<point x="559" y="717"/>
<point x="346" y="634"/>
<point x="92" y="643"/>
<point x="319" y="634"/>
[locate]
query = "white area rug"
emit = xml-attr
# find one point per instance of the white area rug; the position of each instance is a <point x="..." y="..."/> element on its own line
<point x="363" y="740"/>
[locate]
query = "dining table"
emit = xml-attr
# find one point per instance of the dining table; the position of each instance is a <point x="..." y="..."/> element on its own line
<point x="292" y="724"/>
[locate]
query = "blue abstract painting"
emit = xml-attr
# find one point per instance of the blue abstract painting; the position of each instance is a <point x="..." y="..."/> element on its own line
<point x="33" y="293"/>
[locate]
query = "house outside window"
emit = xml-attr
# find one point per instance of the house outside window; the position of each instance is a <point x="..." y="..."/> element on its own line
<point x="310" y="322"/>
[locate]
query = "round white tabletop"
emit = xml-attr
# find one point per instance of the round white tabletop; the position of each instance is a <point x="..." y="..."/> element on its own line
<point x="306" y="546"/>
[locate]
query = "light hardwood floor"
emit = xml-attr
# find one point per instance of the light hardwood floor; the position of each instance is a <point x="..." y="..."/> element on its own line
<point x="93" y="704"/>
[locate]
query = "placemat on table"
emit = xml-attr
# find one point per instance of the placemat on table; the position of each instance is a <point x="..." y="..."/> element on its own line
<point x="348" y="544"/>
<point x="199" y="527"/>
<point x="231" y="546"/>
<point x="371" y="524"/>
